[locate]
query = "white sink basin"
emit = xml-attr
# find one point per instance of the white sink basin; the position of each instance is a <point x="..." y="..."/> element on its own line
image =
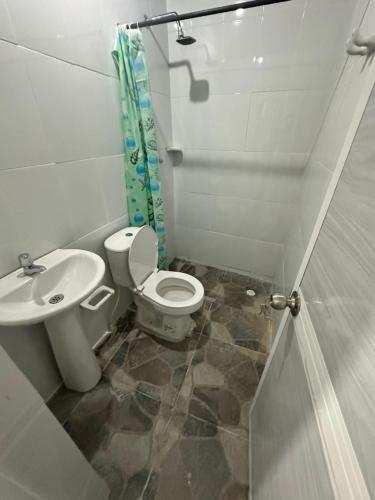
<point x="53" y="297"/>
<point x="71" y="273"/>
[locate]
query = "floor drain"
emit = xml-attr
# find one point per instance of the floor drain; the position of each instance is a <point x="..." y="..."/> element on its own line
<point x="56" y="298"/>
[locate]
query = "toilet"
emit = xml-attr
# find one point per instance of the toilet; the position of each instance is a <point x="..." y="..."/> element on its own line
<point x="165" y="299"/>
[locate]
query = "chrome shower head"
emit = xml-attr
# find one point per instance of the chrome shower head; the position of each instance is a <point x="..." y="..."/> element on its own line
<point x="181" y="38"/>
<point x="185" y="40"/>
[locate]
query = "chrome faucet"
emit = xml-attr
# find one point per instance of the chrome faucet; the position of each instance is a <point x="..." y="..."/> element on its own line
<point x="27" y="263"/>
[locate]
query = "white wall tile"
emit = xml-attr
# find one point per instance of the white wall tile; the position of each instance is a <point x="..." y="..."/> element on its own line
<point x="319" y="59"/>
<point x="210" y="124"/>
<point x="252" y="219"/>
<point x="273" y="56"/>
<point x="326" y="151"/>
<point x="21" y="130"/>
<point x="249" y="255"/>
<point x="42" y="207"/>
<point x="279" y="31"/>
<point x="79" y="108"/>
<point x="285" y="121"/>
<point x="94" y="179"/>
<point x="195" y="211"/>
<point x="34" y="214"/>
<point x="217" y="57"/>
<point x="110" y="175"/>
<point x="6" y="27"/>
<point x="157" y="55"/>
<point x="68" y="30"/>
<point x="272" y="177"/>
<point x="194" y="244"/>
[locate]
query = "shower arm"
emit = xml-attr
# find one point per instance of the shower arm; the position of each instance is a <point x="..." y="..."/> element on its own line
<point x="167" y="14"/>
<point x="173" y="16"/>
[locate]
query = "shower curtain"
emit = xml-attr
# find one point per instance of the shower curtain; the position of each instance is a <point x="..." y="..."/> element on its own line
<point x="142" y="169"/>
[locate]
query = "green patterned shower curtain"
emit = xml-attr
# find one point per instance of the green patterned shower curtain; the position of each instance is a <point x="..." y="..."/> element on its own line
<point x="142" y="169"/>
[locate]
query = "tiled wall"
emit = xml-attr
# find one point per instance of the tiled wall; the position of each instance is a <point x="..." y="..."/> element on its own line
<point x="38" y="460"/>
<point x="248" y="100"/>
<point x="325" y="157"/>
<point x="61" y="155"/>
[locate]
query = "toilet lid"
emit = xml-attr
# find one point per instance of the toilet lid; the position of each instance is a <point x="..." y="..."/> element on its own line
<point x="143" y="255"/>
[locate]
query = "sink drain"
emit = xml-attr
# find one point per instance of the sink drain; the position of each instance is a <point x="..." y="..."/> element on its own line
<point x="56" y="298"/>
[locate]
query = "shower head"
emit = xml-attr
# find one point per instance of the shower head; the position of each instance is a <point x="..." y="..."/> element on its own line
<point x="182" y="38"/>
<point x="185" y="40"/>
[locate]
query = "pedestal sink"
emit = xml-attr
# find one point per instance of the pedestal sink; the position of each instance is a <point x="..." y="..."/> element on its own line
<point x="53" y="297"/>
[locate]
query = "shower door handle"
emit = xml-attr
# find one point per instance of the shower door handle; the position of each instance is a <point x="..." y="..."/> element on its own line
<point x="281" y="302"/>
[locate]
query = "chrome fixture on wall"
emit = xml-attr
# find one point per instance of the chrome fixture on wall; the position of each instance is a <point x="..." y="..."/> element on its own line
<point x="181" y="37"/>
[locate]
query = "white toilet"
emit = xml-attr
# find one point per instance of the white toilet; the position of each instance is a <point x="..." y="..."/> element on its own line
<point x="165" y="299"/>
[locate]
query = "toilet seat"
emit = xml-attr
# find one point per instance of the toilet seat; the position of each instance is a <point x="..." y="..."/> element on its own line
<point x="170" y="292"/>
<point x="173" y="293"/>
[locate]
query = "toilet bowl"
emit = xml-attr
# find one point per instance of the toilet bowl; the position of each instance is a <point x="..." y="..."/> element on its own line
<point x="165" y="299"/>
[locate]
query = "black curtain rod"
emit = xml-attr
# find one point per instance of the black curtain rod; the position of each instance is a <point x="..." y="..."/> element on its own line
<point x="172" y="17"/>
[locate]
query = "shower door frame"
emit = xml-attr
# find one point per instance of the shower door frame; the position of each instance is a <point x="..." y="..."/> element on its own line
<point x="313" y="363"/>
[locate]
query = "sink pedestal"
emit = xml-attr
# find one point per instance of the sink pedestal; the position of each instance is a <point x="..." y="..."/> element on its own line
<point x="78" y="365"/>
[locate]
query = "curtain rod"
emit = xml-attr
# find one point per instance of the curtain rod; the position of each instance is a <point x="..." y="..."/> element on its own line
<point x="172" y="17"/>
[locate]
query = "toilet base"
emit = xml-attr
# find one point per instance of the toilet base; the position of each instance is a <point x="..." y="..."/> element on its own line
<point x="170" y="328"/>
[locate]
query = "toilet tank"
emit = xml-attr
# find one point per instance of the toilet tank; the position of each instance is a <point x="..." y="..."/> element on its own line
<point x="117" y="247"/>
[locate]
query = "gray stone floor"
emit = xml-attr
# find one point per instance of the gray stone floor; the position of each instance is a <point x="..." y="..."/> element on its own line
<point x="170" y="421"/>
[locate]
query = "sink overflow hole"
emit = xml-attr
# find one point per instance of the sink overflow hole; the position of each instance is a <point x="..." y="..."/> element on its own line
<point x="56" y="298"/>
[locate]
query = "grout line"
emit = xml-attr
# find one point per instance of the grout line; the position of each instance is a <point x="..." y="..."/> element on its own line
<point x="256" y="90"/>
<point x="286" y="153"/>
<point x="205" y="194"/>
<point x="160" y="93"/>
<point x="50" y="56"/>
<point x="62" y="162"/>
<point x="231" y="235"/>
<point x="266" y="279"/>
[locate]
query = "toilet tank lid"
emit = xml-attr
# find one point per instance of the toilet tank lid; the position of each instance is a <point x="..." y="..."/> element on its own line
<point x="122" y="240"/>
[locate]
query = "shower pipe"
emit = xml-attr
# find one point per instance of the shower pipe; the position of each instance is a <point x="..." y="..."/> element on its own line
<point x="172" y="17"/>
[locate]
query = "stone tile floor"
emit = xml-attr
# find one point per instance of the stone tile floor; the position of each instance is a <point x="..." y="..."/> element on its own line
<point x="170" y="421"/>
